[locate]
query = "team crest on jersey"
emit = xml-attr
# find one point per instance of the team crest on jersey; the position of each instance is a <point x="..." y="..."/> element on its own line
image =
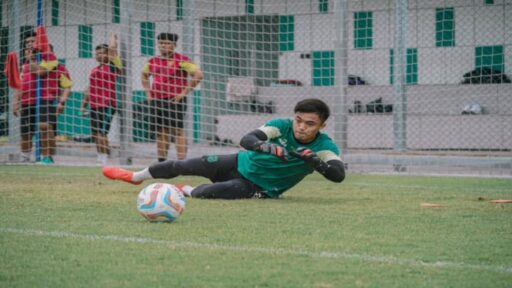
<point x="283" y="142"/>
<point x="212" y="158"/>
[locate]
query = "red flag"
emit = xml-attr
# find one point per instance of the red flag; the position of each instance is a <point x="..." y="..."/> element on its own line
<point x="41" y="42"/>
<point x="11" y="71"/>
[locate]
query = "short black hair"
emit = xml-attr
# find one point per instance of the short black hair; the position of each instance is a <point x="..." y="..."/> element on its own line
<point x="313" y="105"/>
<point x="101" y="46"/>
<point x="168" y="36"/>
<point x="30" y="33"/>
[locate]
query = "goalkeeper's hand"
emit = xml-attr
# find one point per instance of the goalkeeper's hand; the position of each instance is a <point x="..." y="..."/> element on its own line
<point x="308" y="155"/>
<point x="273" y="149"/>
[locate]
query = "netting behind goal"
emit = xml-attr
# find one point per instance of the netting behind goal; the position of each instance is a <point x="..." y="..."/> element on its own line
<point x="412" y="85"/>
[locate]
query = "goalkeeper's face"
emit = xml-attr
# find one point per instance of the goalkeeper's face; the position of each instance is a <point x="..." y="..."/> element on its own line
<point x="306" y="126"/>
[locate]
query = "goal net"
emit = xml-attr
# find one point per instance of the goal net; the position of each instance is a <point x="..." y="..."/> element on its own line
<point x="413" y="86"/>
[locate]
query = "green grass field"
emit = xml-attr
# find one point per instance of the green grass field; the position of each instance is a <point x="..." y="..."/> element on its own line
<point x="70" y="227"/>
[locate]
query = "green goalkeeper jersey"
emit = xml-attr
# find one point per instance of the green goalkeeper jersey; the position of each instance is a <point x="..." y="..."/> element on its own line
<point x="271" y="173"/>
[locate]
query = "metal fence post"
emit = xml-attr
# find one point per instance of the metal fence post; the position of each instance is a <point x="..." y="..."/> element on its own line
<point x="341" y="51"/>
<point x="400" y="56"/>
<point x="189" y="50"/>
<point x="125" y="113"/>
<point x="14" y="40"/>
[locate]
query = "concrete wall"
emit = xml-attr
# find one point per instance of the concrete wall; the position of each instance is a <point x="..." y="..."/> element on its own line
<point x="433" y="124"/>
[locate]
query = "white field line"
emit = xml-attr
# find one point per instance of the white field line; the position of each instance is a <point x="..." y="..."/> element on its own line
<point x="263" y="250"/>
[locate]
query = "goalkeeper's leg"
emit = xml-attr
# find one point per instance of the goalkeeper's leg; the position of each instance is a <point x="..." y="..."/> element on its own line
<point x="237" y="188"/>
<point x="216" y="168"/>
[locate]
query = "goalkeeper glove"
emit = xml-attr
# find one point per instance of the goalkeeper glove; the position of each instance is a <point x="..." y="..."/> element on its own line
<point x="310" y="157"/>
<point x="273" y="149"/>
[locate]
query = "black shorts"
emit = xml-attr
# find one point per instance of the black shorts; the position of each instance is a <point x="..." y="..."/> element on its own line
<point x="167" y="114"/>
<point x="28" y="119"/>
<point x="101" y="118"/>
<point x="47" y="114"/>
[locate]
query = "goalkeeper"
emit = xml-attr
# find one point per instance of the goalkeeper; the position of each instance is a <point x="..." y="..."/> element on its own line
<point x="265" y="169"/>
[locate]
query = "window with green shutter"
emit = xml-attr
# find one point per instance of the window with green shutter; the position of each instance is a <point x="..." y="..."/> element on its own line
<point x="147" y="38"/>
<point x="116" y="11"/>
<point x="445" y="27"/>
<point x="323" y="68"/>
<point x="249" y="7"/>
<point x="179" y="10"/>
<point x="363" y="30"/>
<point x="84" y="41"/>
<point x="323" y="6"/>
<point x="411" y="71"/>
<point x="490" y="57"/>
<point x="55" y="12"/>
<point x="286" y="33"/>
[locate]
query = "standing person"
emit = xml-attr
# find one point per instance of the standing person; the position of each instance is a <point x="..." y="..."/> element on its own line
<point x="264" y="169"/>
<point x="54" y="78"/>
<point x="167" y="94"/>
<point x="101" y="95"/>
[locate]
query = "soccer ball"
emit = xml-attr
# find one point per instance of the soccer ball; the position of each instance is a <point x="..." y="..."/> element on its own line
<point x="161" y="202"/>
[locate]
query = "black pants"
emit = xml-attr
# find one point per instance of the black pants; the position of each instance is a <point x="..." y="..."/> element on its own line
<point x="221" y="170"/>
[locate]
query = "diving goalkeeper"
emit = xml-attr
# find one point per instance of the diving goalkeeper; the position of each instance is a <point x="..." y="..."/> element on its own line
<point x="278" y="155"/>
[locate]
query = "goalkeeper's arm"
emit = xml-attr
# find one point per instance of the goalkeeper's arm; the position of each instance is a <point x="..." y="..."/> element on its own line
<point x="252" y="141"/>
<point x="256" y="141"/>
<point x="333" y="169"/>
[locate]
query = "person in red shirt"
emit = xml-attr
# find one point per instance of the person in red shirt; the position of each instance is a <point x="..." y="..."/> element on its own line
<point x="101" y="95"/>
<point x="54" y="77"/>
<point x="170" y="85"/>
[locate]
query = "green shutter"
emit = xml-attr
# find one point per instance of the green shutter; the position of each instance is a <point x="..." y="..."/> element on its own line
<point x="116" y="11"/>
<point x="196" y="99"/>
<point x="489" y="2"/>
<point x="323" y="6"/>
<point x="363" y="30"/>
<point x="323" y="68"/>
<point x="445" y="27"/>
<point x="286" y="33"/>
<point x="147" y="38"/>
<point x="411" y="72"/>
<point x="249" y="7"/>
<point x="179" y="10"/>
<point x="55" y="12"/>
<point x="84" y="41"/>
<point x="71" y="122"/>
<point x="391" y="66"/>
<point x="490" y="57"/>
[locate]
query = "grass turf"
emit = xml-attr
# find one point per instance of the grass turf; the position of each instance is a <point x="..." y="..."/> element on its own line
<point x="70" y="227"/>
